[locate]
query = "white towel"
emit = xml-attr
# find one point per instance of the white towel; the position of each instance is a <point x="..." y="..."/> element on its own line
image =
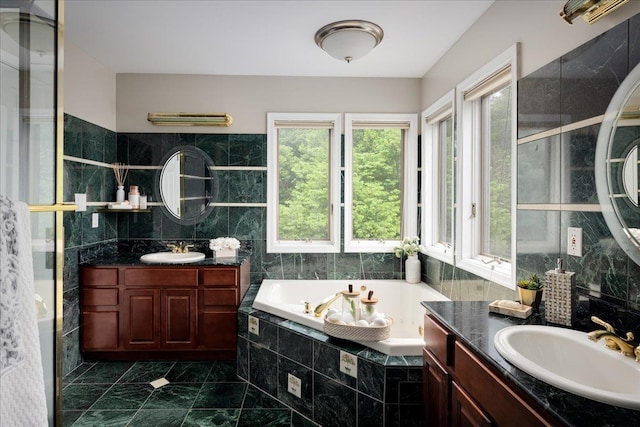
<point x="22" y="394"/>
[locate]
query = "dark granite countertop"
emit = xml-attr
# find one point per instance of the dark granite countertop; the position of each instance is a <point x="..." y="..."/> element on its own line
<point x="475" y="326"/>
<point x="133" y="259"/>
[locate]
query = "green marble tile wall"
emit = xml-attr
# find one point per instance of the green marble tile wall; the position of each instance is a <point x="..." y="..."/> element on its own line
<point x="88" y="150"/>
<point x="557" y="172"/>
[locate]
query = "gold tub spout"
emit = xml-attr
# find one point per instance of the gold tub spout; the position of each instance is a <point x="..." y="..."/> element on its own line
<point x="325" y="304"/>
<point x="611" y="340"/>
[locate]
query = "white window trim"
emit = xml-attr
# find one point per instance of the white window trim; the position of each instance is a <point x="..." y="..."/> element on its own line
<point x="328" y="246"/>
<point x="468" y="177"/>
<point x="410" y="181"/>
<point x="431" y="178"/>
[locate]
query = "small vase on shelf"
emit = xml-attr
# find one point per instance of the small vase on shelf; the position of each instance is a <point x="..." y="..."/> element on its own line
<point x="120" y="194"/>
<point x="412" y="269"/>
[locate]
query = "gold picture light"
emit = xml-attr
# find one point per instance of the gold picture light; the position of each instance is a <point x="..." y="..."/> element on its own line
<point x="190" y="119"/>
<point x="590" y="10"/>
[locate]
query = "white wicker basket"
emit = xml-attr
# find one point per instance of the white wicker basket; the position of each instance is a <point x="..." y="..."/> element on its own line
<point x="357" y="333"/>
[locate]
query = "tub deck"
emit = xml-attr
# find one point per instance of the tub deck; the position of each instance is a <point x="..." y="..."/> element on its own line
<point x="397" y="299"/>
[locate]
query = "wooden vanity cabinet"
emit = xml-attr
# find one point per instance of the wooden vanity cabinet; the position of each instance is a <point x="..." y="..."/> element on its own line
<point x="182" y="312"/>
<point x="461" y="390"/>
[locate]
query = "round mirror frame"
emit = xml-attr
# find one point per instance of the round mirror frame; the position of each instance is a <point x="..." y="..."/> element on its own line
<point x="603" y="173"/>
<point x="212" y="181"/>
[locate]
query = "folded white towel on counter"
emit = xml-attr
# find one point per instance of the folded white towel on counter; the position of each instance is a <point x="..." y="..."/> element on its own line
<point x="22" y="394"/>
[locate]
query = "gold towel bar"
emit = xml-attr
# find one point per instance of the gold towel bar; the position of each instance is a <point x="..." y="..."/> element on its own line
<point x="53" y="208"/>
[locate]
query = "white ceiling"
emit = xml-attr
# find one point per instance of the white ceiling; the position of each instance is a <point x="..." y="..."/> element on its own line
<point x="267" y="38"/>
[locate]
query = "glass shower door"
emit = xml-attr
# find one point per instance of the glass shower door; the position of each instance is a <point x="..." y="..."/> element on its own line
<point x="30" y="154"/>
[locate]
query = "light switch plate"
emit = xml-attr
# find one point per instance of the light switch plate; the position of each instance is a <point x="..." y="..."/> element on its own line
<point x="81" y="202"/>
<point x="95" y="220"/>
<point x="349" y="364"/>
<point x="294" y="385"/>
<point x="574" y="241"/>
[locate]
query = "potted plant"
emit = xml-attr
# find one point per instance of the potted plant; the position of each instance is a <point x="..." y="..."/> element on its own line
<point x="530" y="291"/>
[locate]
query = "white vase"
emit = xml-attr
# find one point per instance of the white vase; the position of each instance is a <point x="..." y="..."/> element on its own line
<point x="120" y="194"/>
<point x="412" y="269"/>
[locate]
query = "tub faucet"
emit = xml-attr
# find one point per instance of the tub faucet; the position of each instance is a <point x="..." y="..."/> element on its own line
<point x="325" y="304"/>
<point x="613" y="341"/>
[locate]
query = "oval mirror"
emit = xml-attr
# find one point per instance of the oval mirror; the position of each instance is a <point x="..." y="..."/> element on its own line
<point x="187" y="184"/>
<point x="616" y="165"/>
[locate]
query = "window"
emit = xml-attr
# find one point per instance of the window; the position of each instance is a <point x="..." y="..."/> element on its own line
<point x="303" y="175"/>
<point x="485" y="184"/>
<point x="438" y="179"/>
<point x="380" y="181"/>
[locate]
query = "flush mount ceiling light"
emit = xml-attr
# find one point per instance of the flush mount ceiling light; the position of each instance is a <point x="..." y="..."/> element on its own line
<point x="349" y="40"/>
<point x="590" y="10"/>
<point x="190" y="119"/>
<point x="41" y="30"/>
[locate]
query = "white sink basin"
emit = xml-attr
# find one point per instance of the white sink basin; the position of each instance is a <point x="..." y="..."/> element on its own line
<point x="172" y="258"/>
<point x="569" y="360"/>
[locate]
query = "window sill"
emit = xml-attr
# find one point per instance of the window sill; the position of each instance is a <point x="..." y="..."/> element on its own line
<point x="497" y="273"/>
<point x="440" y="252"/>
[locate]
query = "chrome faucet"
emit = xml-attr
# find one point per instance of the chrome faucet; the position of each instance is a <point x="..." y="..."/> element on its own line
<point x="613" y="341"/>
<point x="180" y="248"/>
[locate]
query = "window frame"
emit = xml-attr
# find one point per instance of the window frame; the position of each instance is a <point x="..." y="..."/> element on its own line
<point x="431" y="120"/>
<point x="298" y="246"/>
<point x="409" y="213"/>
<point x="468" y="173"/>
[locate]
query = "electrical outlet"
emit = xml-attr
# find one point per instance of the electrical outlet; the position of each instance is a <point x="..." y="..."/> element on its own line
<point x="254" y="325"/>
<point x="574" y="241"/>
<point x="95" y="220"/>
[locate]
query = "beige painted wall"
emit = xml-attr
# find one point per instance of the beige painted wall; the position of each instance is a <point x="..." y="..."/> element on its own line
<point x="89" y="88"/>
<point x="534" y="24"/>
<point x="248" y="98"/>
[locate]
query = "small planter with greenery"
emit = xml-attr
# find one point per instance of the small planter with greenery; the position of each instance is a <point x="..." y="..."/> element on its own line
<point x="530" y="291"/>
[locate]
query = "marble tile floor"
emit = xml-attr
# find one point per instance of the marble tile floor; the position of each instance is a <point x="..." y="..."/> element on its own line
<point x="198" y="394"/>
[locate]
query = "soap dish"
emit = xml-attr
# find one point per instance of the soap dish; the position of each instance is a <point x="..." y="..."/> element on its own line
<point x="510" y="308"/>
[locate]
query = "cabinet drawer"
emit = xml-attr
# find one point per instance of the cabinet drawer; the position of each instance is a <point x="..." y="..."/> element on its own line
<point x="218" y="277"/>
<point x="438" y="340"/>
<point x="160" y="277"/>
<point x="99" y="296"/>
<point x="219" y="297"/>
<point x="491" y="393"/>
<point x="99" y="276"/>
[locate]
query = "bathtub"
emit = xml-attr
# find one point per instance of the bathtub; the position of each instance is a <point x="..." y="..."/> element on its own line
<point x="397" y="299"/>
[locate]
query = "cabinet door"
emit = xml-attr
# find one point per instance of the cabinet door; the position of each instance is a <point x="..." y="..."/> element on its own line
<point x="436" y="390"/>
<point x="465" y="412"/>
<point x="179" y="318"/>
<point x="99" y="330"/>
<point x="140" y="320"/>
<point x="218" y="330"/>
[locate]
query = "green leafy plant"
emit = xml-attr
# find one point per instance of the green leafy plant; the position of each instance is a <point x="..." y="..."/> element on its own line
<point x="533" y="283"/>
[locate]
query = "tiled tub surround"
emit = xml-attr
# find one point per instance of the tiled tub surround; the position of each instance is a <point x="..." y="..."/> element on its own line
<point x="397" y="300"/>
<point x="387" y="390"/>
<point x="475" y="326"/>
<point x="560" y="108"/>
